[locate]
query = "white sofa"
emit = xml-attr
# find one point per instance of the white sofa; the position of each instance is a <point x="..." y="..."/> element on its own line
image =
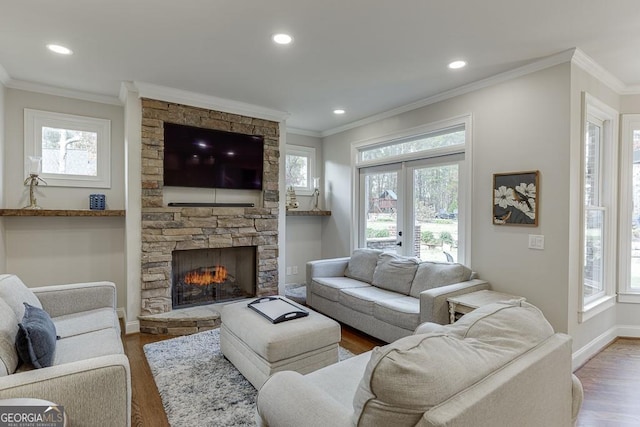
<point x="500" y="365"/>
<point x="90" y="373"/>
<point x="385" y="295"/>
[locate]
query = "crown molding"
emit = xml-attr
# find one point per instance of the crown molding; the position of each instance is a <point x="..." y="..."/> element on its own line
<point x="58" y="91"/>
<point x="126" y="88"/>
<point x="304" y="132"/>
<point x="585" y="62"/>
<point x="540" y="64"/>
<point x="179" y="96"/>
<point x="4" y="76"/>
<point x="631" y="90"/>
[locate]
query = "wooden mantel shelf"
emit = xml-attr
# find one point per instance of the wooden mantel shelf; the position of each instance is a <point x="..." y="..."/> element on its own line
<point x="61" y="212"/>
<point x="308" y="213"/>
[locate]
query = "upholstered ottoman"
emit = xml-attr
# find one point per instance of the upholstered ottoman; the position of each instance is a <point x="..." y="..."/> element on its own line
<point x="259" y="348"/>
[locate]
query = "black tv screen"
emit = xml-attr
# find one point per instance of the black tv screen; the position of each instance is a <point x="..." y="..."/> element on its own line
<point x="198" y="157"/>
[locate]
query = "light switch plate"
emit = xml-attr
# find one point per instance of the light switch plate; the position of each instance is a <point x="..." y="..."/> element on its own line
<point x="536" y="241"/>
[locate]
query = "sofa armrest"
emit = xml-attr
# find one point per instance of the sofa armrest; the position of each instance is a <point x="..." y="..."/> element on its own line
<point x="59" y="300"/>
<point x="433" y="302"/>
<point x="427" y="328"/>
<point x="577" y="393"/>
<point x="331" y="267"/>
<point x="287" y="399"/>
<point x="88" y="389"/>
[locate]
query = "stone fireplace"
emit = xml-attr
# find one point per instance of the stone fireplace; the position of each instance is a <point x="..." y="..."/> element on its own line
<point x="167" y="229"/>
<point x="206" y="276"/>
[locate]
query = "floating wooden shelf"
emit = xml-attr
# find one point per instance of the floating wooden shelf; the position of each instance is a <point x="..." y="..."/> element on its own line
<point x="308" y="213"/>
<point x="61" y="212"/>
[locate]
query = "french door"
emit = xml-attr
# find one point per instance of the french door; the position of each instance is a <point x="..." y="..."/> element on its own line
<point x="411" y="207"/>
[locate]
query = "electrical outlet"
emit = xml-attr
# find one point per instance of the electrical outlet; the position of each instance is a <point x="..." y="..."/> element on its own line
<point x="536" y="242"/>
<point x="288" y="271"/>
<point x="295" y="269"/>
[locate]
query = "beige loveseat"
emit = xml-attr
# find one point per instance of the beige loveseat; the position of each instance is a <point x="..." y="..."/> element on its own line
<point x="500" y="365"/>
<point x="385" y="295"/>
<point x="90" y="373"/>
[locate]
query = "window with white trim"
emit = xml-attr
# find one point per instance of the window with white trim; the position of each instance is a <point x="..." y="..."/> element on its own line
<point x="300" y="167"/>
<point x="629" y="226"/>
<point x="599" y="189"/>
<point x="75" y="150"/>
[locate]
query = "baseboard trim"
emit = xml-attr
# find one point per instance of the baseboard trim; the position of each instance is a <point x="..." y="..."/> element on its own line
<point x="582" y="356"/>
<point x="132" y="327"/>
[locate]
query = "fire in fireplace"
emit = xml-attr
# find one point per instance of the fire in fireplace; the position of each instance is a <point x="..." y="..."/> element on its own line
<point x="206" y="276"/>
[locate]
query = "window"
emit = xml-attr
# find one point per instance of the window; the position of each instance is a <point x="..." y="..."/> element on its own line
<point x="629" y="276"/>
<point x="411" y="192"/>
<point x="598" y="240"/>
<point x="75" y="150"/>
<point x="300" y="167"/>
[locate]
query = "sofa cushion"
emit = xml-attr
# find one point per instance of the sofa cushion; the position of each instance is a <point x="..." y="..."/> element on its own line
<point x="395" y="273"/>
<point x="409" y="376"/>
<point x="362" y="264"/>
<point x="435" y="274"/>
<point x="402" y="312"/>
<point x="8" y="331"/>
<point x="363" y="299"/>
<point x="87" y="346"/>
<point x="86" y="321"/>
<point x="329" y="287"/>
<point x="15" y="293"/>
<point x="36" y="338"/>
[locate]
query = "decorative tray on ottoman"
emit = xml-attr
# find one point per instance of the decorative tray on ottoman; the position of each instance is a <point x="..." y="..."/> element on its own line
<point x="276" y="309"/>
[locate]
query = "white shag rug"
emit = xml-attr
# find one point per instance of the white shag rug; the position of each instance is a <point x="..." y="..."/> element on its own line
<point x="198" y="386"/>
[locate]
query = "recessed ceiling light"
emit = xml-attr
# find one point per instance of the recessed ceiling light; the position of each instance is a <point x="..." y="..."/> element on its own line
<point x="282" y="38"/>
<point x="457" y="64"/>
<point x="62" y="50"/>
<point x="339" y="111"/>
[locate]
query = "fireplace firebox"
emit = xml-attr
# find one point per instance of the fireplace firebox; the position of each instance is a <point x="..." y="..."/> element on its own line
<point x="206" y="276"/>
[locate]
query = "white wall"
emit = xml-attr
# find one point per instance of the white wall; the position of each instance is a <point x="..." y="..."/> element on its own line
<point x="518" y="125"/>
<point x="54" y="250"/>
<point x="3" y="255"/>
<point x="304" y="233"/>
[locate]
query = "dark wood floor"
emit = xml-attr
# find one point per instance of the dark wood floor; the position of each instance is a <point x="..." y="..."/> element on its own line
<point x="611" y="381"/>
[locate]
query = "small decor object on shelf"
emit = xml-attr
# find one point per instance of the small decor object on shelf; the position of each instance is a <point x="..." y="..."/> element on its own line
<point x="316" y="193"/>
<point x="292" y="200"/>
<point x="516" y="198"/>
<point x="34" y="167"/>
<point x="97" y="202"/>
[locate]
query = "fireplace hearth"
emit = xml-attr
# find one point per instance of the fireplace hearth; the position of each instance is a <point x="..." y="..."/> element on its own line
<point x="207" y="276"/>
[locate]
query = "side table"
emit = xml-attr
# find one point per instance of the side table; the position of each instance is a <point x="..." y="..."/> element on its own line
<point x="463" y="304"/>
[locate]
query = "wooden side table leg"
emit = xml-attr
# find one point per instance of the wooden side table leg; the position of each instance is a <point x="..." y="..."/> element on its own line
<point x="452" y="312"/>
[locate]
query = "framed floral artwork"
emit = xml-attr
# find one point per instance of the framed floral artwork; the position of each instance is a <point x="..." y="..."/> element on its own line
<point x="516" y="198"/>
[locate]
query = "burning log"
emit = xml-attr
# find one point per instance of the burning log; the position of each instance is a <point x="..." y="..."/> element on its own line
<point x="206" y="276"/>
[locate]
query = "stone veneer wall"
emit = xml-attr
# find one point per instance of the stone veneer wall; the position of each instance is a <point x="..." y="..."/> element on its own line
<point x="165" y="229"/>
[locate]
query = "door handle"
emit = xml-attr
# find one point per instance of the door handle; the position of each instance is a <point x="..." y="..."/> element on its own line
<point x="399" y="244"/>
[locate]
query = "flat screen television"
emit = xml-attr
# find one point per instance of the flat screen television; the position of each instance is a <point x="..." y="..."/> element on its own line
<point x="207" y="158"/>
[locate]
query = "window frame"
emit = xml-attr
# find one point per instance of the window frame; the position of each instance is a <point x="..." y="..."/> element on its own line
<point x="626" y="294"/>
<point x="35" y="120"/>
<point x="594" y="109"/>
<point x="465" y="189"/>
<point x="310" y="154"/>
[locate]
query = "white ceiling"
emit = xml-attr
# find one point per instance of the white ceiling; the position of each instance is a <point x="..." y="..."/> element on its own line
<point x="366" y="56"/>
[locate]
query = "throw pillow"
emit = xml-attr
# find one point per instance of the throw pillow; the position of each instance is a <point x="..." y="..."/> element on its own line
<point x="14" y="293"/>
<point x="362" y="264"/>
<point x="395" y="273"/>
<point x="36" y="338"/>
<point x="435" y="274"/>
